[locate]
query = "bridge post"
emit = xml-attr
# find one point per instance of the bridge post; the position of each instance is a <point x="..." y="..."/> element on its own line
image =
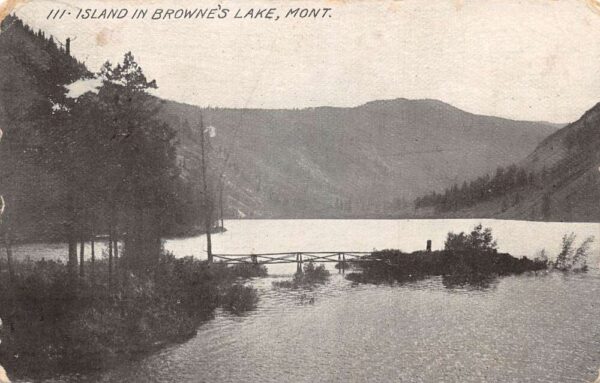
<point x="298" y="263"/>
<point x="343" y="263"/>
<point x="429" y="245"/>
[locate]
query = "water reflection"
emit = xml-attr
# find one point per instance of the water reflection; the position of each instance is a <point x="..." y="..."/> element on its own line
<point x="470" y="282"/>
<point x="451" y="282"/>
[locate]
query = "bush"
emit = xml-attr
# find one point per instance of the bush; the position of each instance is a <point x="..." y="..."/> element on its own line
<point x="315" y="274"/>
<point x="393" y="265"/>
<point x="239" y="299"/>
<point x="54" y="324"/>
<point x="479" y="239"/>
<point x="571" y="258"/>
<point x="245" y="270"/>
<point x="311" y="275"/>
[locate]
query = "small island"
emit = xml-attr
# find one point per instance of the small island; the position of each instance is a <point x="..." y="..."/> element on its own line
<point x="470" y="258"/>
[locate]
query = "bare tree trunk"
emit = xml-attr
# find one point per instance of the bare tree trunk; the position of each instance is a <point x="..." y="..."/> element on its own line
<point x="221" y="205"/>
<point x="207" y="203"/>
<point x="207" y="227"/>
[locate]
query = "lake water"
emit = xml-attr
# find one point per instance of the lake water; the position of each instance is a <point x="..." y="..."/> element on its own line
<point x="529" y="328"/>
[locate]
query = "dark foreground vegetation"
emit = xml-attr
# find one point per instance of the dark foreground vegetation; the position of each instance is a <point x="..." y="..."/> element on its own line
<point x="102" y="164"/>
<point x="54" y="324"/>
<point x="310" y="276"/>
<point x="467" y="259"/>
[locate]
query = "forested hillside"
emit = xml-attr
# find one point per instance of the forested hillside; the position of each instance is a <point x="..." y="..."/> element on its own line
<point x="33" y="69"/>
<point x="558" y="181"/>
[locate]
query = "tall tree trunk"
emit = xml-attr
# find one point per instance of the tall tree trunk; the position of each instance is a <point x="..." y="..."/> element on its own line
<point x="72" y="241"/>
<point x="72" y="262"/>
<point x="116" y="246"/>
<point x="110" y="257"/>
<point x="207" y="227"/>
<point x="92" y="255"/>
<point x="221" y="205"/>
<point x="9" y="256"/>
<point x="207" y="202"/>
<point x="81" y="258"/>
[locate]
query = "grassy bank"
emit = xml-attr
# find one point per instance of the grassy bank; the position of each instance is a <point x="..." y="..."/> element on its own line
<point x="53" y="324"/>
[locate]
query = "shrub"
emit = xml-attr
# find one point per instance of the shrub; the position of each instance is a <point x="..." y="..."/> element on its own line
<point x="479" y="239"/>
<point x="245" y="270"/>
<point x="315" y="274"/>
<point x="239" y="299"/>
<point x="464" y="265"/>
<point x="54" y="324"/>
<point x="311" y="275"/>
<point x="571" y="258"/>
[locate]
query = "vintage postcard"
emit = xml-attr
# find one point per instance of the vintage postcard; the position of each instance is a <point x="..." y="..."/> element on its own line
<point x="300" y="191"/>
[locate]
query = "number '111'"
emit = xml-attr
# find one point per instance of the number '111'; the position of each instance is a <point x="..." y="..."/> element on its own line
<point x="56" y="14"/>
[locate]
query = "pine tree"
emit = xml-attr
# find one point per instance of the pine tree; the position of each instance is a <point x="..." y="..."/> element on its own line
<point x="143" y="167"/>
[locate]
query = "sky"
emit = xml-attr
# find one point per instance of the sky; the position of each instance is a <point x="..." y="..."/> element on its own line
<point x="527" y="60"/>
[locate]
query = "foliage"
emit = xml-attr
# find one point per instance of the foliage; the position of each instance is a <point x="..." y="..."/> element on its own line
<point x="466" y="258"/>
<point x="310" y="275"/>
<point x="102" y="162"/>
<point x="465" y="264"/>
<point x="542" y="256"/>
<point x="244" y="270"/>
<point x="29" y="98"/>
<point x="50" y="326"/>
<point x="505" y="180"/>
<point x="239" y="298"/>
<point x="314" y="274"/>
<point x="479" y="240"/>
<point x="571" y="258"/>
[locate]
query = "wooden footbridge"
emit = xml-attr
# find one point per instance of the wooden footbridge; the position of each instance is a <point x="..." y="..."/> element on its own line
<point x="299" y="257"/>
<point x="341" y="257"/>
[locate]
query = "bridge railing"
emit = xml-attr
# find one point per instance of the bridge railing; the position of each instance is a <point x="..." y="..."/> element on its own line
<point x="293" y="257"/>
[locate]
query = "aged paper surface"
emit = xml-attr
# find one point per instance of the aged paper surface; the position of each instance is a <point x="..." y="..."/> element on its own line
<point x="299" y="191"/>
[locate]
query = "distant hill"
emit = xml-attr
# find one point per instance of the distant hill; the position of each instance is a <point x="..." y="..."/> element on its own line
<point x="563" y="182"/>
<point x="369" y="160"/>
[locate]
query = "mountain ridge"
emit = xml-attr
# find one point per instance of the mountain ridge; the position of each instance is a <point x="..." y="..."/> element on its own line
<point x="378" y="131"/>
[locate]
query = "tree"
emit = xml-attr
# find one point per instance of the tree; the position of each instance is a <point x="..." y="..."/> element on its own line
<point x="479" y="239"/>
<point x="141" y="171"/>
